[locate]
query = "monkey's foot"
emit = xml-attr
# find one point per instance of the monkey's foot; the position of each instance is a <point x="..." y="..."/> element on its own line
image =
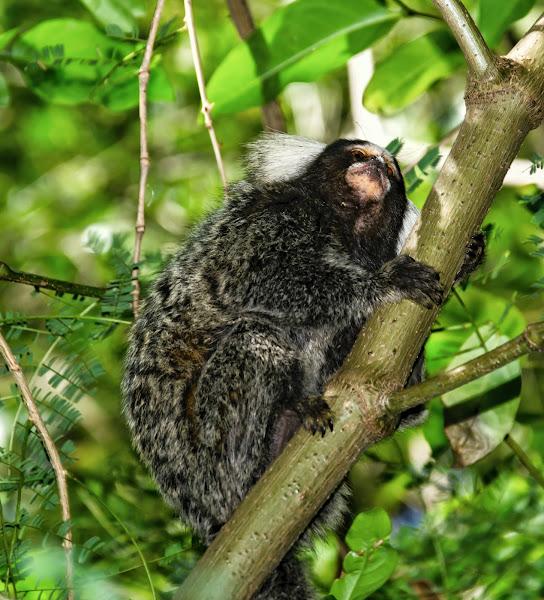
<point x="315" y="414"/>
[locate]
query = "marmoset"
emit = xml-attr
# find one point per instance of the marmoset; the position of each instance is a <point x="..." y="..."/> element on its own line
<point x="255" y="313"/>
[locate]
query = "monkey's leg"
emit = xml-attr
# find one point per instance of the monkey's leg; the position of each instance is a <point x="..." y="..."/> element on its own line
<point x="253" y="372"/>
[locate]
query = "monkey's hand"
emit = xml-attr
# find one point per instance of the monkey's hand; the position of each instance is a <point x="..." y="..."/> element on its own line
<point x="405" y="278"/>
<point x="315" y="414"/>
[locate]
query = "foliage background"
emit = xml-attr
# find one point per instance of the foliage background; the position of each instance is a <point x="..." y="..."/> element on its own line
<point x="68" y="188"/>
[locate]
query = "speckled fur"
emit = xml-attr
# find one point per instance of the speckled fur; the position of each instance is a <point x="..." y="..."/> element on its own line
<point x="252" y="317"/>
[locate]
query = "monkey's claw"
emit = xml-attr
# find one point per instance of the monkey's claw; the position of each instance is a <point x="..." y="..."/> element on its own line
<point x="315" y="414"/>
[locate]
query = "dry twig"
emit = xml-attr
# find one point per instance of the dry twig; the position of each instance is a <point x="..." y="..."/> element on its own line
<point x="206" y="105"/>
<point x="143" y="79"/>
<point x="52" y="452"/>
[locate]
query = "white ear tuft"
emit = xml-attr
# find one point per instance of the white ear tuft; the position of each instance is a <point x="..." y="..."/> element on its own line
<point x="410" y="217"/>
<point x="274" y="157"/>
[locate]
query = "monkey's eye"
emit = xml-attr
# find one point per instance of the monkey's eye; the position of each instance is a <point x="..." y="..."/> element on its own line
<point x="358" y="154"/>
<point x="391" y="171"/>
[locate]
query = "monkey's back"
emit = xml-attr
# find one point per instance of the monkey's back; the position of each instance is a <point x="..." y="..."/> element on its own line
<point x="235" y="266"/>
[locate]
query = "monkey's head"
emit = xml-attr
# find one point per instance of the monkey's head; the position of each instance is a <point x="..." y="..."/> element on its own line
<point x="362" y="182"/>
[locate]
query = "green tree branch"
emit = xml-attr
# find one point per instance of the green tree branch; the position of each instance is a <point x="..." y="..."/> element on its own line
<point x="502" y="107"/>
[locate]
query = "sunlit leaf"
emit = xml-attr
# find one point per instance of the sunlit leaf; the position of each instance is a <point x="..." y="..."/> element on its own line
<point x="122" y="13"/>
<point x="410" y="70"/>
<point x="299" y="42"/>
<point x="364" y="574"/>
<point x="368" y="528"/>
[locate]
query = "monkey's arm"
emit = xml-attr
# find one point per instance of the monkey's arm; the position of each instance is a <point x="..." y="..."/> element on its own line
<point x="329" y="291"/>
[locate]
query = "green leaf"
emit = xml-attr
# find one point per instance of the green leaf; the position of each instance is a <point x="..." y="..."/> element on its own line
<point x="367" y="529"/>
<point x="122" y="13"/>
<point x="364" y="574"/>
<point x="416" y="175"/>
<point x="411" y="70"/>
<point x="496" y="17"/>
<point x="395" y="146"/>
<point x="298" y="42"/>
<point x="71" y="61"/>
<point x="7" y="36"/>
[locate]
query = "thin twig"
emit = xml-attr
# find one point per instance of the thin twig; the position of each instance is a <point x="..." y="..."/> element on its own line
<point x="57" y="285"/>
<point x="54" y="457"/>
<point x="206" y="105"/>
<point x="143" y="79"/>
<point x="478" y="56"/>
<point x="273" y="118"/>
<point x="531" y="340"/>
<point x="524" y="459"/>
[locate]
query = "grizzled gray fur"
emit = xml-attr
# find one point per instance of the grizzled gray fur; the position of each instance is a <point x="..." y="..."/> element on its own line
<point x="255" y="313"/>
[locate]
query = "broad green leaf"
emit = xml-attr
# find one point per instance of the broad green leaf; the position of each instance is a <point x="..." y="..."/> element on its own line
<point x="367" y="529"/>
<point x="298" y="42"/>
<point x="7" y="36"/>
<point x="496" y="17"/>
<point x="479" y="414"/>
<point x="70" y="61"/>
<point x="364" y="574"/>
<point x="122" y="13"/>
<point x="411" y="70"/>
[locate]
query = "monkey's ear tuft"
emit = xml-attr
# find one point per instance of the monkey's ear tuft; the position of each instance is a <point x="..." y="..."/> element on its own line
<point x="275" y="157"/>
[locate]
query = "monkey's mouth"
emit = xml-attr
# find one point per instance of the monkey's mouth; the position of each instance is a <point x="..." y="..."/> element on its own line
<point x="368" y="180"/>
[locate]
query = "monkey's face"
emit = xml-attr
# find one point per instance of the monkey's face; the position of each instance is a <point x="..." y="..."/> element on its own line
<point x="364" y="183"/>
<point x="371" y="172"/>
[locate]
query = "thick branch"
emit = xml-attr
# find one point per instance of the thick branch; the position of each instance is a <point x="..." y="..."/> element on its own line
<point x="57" y="285"/>
<point x="478" y="56"/>
<point x="500" y="113"/>
<point x="54" y="457"/>
<point x="531" y="340"/>
<point x="273" y="119"/>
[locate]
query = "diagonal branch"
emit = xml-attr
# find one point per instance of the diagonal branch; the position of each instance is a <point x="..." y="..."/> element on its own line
<point x="54" y="457"/>
<point x="531" y="340"/>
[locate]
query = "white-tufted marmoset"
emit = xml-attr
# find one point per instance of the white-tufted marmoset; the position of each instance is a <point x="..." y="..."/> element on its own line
<point x="256" y="312"/>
